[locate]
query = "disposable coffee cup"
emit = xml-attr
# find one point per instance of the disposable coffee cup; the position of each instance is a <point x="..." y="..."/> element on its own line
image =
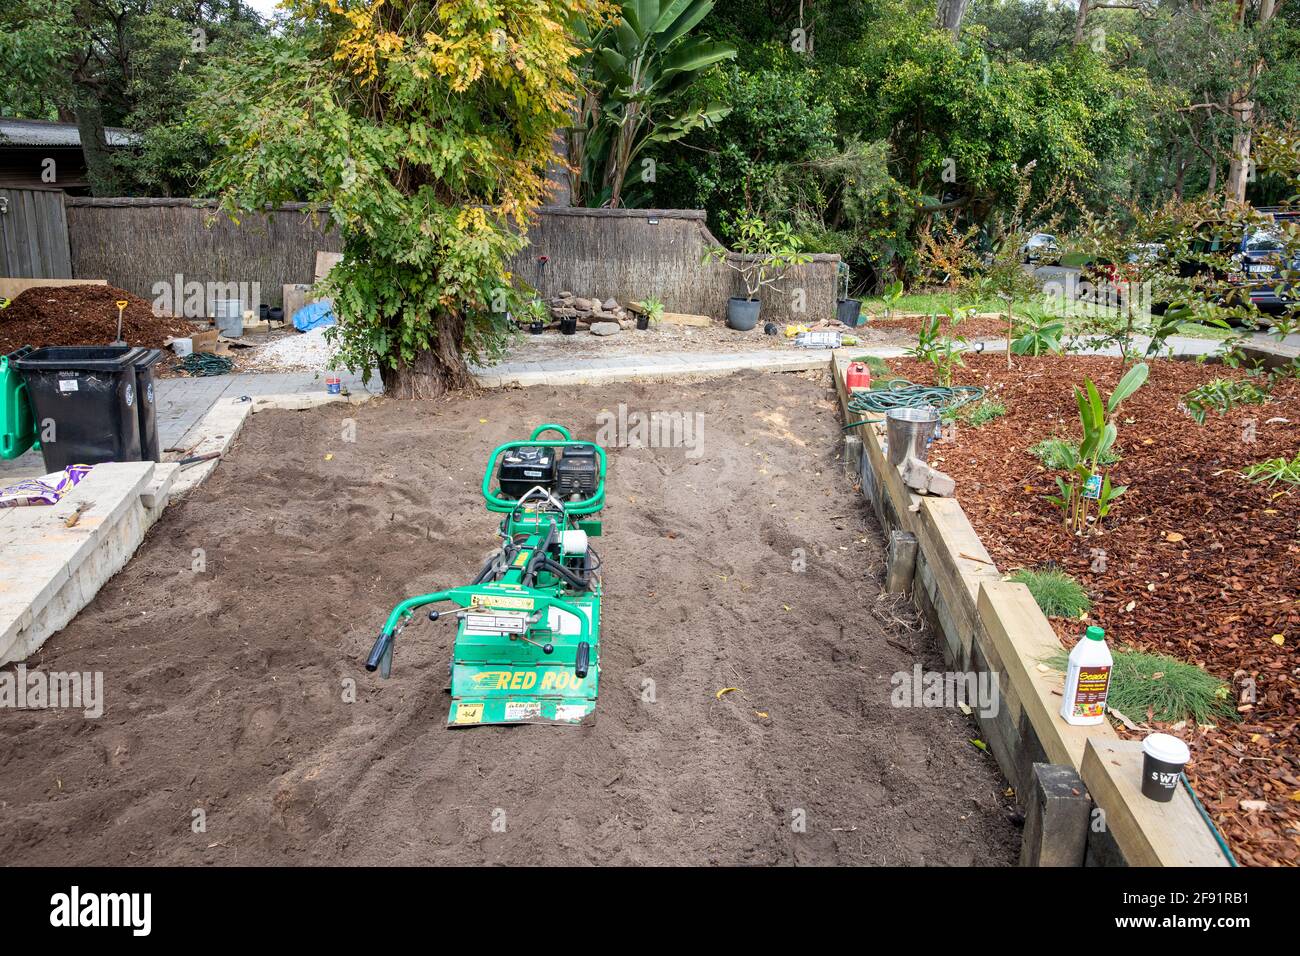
<point x="1163" y="759"/>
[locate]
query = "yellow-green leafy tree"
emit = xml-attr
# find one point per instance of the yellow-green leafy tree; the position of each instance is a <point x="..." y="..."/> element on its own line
<point x="426" y="127"/>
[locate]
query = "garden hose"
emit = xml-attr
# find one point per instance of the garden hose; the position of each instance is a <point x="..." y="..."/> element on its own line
<point x="1214" y="831"/>
<point x="900" y="393"/>
<point x="204" y="364"/>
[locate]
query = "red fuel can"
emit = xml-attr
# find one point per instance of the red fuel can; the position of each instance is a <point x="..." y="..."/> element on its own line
<point x="858" y="376"/>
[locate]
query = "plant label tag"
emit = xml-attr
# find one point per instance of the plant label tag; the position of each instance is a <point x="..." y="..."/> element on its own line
<point x="1092" y="487"/>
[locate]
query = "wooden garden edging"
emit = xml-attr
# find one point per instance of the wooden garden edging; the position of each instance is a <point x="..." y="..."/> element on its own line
<point x="992" y="626"/>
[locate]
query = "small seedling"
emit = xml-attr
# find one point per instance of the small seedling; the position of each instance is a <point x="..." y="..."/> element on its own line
<point x="1056" y="593"/>
<point x="976" y="415"/>
<point x="1056" y="454"/>
<point x="1274" y="470"/>
<point x="1221" y="395"/>
<point x="941" y="351"/>
<point x="1086" y="484"/>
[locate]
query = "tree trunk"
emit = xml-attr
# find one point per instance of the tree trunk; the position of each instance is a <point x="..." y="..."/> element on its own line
<point x="1242" y="106"/>
<point x="950" y="14"/>
<point x="433" y="373"/>
<point x="1081" y="22"/>
<point x="100" y="172"/>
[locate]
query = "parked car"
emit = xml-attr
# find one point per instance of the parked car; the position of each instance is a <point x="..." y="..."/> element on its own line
<point x="1266" y="271"/>
<point x="1041" y="249"/>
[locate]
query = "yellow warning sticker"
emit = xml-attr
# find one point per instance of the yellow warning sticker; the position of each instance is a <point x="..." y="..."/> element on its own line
<point x="501" y="601"/>
<point x="469" y="713"/>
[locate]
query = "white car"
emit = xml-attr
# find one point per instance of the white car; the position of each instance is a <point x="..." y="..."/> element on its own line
<point x="1041" y="249"/>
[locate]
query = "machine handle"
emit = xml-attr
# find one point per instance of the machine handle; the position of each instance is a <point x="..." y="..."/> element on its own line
<point x="543" y="429"/>
<point x="582" y="659"/>
<point x="381" y="653"/>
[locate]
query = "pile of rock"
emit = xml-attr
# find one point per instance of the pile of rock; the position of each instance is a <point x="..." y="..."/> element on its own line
<point x="602" y="318"/>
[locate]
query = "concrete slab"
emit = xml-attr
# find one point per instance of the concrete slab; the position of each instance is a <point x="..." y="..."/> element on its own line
<point x="49" y="571"/>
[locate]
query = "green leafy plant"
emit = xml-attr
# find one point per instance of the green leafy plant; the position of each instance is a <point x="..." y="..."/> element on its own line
<point x="762" y="253"/>
<point x="1057" y="454"/>
<point x="636" y="71"/>
<point x="941" y="351"/>
<point x="893" y="292"/>
<point x="533" y="310"/>
<point x="980" y="413"/>
<point x="1164" y="687"/>
<point x="1039" y="334"/>
<point x="1274" y="470"/>
<point x="426" y="130"/>
<point x="1221" y="395"/>
<point x="1056" y="593"/>
<point x="654" y="309"/>
<point x="1083" y="484"/>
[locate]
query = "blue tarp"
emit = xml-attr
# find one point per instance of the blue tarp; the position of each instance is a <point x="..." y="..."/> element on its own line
<point x="317" y="315"/>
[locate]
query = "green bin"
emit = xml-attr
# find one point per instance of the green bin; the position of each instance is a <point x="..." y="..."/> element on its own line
<point x="17" y="424"/>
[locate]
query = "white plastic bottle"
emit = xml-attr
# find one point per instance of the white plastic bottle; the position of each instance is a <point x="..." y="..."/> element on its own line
<point x="1087" y="680"/>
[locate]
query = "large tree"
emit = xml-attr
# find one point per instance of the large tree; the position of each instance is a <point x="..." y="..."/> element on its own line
<point x="427" y="127"/>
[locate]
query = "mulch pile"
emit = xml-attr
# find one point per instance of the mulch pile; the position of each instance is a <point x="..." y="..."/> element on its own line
<point x="973" y="328"/>
<point x="83" y="315"/>
<point x="1200" y="564"/>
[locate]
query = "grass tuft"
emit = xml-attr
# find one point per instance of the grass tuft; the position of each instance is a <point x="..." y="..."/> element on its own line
<point x="1158" y="687"/>
<point x="1057" y="594"/>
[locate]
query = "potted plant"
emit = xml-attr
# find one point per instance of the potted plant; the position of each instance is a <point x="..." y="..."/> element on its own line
<point x="847" y="310"/>
<point x="761" y="256"/>
<point x="652" y="312"/>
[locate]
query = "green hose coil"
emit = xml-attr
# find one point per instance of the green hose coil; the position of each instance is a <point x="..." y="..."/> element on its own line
<point x="900" y="393"/>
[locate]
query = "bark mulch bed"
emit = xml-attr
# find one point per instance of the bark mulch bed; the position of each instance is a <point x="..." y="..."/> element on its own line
<point x="1200" y="564"/>
<point x="83" y="315"/>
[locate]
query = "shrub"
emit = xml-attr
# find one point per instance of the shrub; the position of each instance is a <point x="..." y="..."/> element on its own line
<point x="1274" y="470"/>
<point x="1221" y="395"/>
<point x="1056" y="593"/>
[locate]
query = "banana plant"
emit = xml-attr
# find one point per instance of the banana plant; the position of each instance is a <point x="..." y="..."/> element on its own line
<point x="1086" y="484"/>
<point x="634" y="71"/>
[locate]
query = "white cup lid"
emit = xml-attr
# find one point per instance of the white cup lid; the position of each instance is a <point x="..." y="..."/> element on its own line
<point x="1166" y="747"/>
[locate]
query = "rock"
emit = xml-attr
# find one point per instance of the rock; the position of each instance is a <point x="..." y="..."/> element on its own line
<point x="609" y="305"/>
<point x="560" y="312"/>
<point x="606" y="315"/>
<point x="586" y="305"/>
<point x="605" y="328"/>
<point x="625" y="323"/>
<point x="566" y="294"/>
<point x="925" y="480"/>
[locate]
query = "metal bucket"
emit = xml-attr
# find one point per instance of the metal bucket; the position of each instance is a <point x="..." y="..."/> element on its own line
<point x="910" y="431"/>
<point x="229" y="316"/>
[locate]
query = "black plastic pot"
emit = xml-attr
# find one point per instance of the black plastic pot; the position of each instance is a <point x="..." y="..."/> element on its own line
<point x="536" y="327"/>
<point x="642" y="322"/>
<point x="742" y="314"/>
<point x="569" y="325"/>
<point x="848" y="311"/>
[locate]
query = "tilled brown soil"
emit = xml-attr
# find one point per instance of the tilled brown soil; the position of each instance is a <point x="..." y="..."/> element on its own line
<point x="228" y="689"/>
<point x="1198" y="563"/>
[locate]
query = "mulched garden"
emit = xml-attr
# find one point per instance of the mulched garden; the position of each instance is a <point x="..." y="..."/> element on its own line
<point x="1199" y="563"/>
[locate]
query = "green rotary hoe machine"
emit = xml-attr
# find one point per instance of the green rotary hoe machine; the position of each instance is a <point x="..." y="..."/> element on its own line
<point x="527" y="647"/>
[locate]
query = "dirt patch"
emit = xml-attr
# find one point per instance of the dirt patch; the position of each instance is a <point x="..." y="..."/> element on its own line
<point x="225" y="689"/>
<point x="83" y="315"/>
<point x="1198" y="563"/>
<point x="904" y="329"/>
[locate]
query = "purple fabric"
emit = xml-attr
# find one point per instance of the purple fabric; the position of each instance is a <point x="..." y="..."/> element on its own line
<point x="48" y="490"/>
